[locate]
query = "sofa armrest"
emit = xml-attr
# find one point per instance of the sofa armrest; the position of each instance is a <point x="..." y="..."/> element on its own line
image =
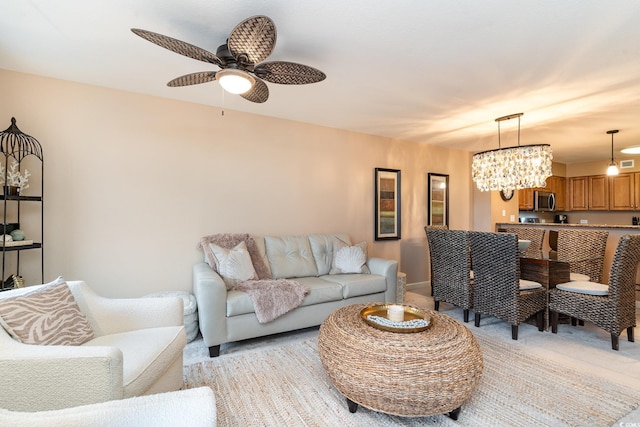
<point x="38" y="377"/>
<point x="211" y="297"/>
<point x="114" y="315"/>
<point x="389" y="269"/>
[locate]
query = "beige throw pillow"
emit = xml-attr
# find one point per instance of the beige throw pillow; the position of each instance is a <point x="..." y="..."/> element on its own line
<point x="349" y="259"/>
<point x="234" y="265"/>
<point x="47" y="316"/>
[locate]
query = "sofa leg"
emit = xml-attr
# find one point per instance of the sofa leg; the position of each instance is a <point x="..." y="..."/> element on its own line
<point x="436" y="305"/>
<point x="214" y="351"/>
<point x="514" y="332"/>
<point x="477" y="320"/>
<point x="630" y="333"/>
<point x="466" y="315"/>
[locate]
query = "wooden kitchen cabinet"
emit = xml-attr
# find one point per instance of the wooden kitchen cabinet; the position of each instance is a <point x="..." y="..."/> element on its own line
<point x="578" y="193"/>
<point x="525" y="199"/>
<point x="624" y="192"/>
<point x="598" y="193"/>
<point x="558" y="185"/>
<point x="589" y="193"/>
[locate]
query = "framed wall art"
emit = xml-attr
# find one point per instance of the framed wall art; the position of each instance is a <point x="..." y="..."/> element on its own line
<point x="438" y="209"/>
<point x="387" y="204"/>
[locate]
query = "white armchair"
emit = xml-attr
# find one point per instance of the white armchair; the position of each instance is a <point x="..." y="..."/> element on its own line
<point x="137" y="350"/>
<point x="189" y="408"/>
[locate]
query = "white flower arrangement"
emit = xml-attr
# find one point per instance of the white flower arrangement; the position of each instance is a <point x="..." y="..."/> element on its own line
<point x="14" y="178"/>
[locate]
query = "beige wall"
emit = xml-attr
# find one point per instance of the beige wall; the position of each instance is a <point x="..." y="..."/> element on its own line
<point x="132" y="182"/>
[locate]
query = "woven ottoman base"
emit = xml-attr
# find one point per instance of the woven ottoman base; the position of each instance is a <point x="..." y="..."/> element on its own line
<point x="190" y="310"/>
<point x="406" y="374"/>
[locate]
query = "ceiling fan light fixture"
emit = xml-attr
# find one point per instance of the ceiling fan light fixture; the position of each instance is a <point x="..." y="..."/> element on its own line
<point x="235" y="81"/>
<point x="613" y="166"/>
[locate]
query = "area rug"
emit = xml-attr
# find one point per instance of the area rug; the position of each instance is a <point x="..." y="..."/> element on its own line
<point x="286" y="385"/>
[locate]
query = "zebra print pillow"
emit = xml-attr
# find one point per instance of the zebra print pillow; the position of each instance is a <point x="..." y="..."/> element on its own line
<point x="48" y="316"/>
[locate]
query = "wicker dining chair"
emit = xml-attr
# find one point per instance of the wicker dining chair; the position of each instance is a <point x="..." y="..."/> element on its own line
<point x="536" y="235"/>
<point x="434" y="227"/>
<point x="584" y="250"/>
<point x="450" y="269"/>
<point x="497" y="288"/>
<point x="612" y="307"/>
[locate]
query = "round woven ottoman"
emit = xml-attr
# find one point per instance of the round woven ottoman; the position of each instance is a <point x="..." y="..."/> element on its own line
<point x="407" y="374"/>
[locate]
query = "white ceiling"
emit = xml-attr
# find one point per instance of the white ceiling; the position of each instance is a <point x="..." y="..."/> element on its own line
<point x="435" y="72"/>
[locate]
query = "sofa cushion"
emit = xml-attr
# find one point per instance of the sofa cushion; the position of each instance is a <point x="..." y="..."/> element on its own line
<point x="349" y="259"/>
<point x="354" y="285"/>
<point x="47" y="316"/>
<point x="320" y="291"/>
<point x="322" y="248"/>
<point x="146" y="354"/>
<point x="290" y="256"/>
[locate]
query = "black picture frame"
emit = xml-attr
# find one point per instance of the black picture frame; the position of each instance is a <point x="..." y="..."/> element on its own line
<point x="438" y="205"/>
<point x="388" y="223"/>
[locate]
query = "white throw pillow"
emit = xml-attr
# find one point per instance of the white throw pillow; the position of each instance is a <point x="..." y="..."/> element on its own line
<point x="349" y="259"/>
<point x="234" y="265"/>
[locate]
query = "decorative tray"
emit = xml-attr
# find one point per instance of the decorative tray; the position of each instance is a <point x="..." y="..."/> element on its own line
<point x="414" y="319"/>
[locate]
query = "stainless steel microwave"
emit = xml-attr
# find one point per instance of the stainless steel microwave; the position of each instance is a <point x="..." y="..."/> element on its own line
<point x="544" y="201"/>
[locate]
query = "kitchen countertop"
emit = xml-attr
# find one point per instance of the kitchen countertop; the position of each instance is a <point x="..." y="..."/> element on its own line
<point x="555" y="224"/>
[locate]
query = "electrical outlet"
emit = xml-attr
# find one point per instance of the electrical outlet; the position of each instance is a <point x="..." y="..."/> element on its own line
<point x="504" y="212"/>
<point x="584" y="221"/>
<point x="512" y="218"/>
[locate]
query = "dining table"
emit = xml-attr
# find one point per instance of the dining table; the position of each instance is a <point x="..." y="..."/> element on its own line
<point x="544" y="267"/>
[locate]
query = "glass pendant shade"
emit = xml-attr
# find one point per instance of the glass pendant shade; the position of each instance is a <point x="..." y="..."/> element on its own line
<point x="512" y="168"/>
<point x="235" y="81"/>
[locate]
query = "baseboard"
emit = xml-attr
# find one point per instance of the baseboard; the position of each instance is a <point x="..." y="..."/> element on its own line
<point x="417" y="285"/>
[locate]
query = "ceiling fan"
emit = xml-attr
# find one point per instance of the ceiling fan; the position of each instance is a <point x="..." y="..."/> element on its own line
<point x="240" y="60"/>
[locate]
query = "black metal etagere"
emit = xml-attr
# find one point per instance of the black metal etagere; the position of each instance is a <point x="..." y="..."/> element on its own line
<point x="16" y="146"/>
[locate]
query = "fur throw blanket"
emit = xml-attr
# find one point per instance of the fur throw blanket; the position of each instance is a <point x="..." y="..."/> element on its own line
<point x="273" y="298"/>
<point x="229" y="241"/>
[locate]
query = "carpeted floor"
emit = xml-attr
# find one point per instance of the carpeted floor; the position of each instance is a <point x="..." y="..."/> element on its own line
<point x="572" y="378"/>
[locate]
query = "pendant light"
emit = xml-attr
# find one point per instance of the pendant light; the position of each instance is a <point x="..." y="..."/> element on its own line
<point x="613" y="166"/>
<point x="512" y="168"/>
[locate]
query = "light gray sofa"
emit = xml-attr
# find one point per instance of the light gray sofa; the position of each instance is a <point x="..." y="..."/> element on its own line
<point x="227" y="316"/>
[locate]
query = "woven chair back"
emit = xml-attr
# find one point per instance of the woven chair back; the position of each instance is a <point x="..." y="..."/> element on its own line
<point x="434" y="227"/>
<point x="450" y="266"/>
<point x="536" y="235"/>
<point x="622" y="278"/>
<point x="496" y="272"/>
<point x="584" y="250"/>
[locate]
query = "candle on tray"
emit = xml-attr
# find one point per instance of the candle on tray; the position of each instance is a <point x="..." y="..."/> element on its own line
<point x="395" y="313"/>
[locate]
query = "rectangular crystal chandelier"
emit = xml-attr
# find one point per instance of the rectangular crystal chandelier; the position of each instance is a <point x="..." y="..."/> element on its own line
<point x="512" y="168"/>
